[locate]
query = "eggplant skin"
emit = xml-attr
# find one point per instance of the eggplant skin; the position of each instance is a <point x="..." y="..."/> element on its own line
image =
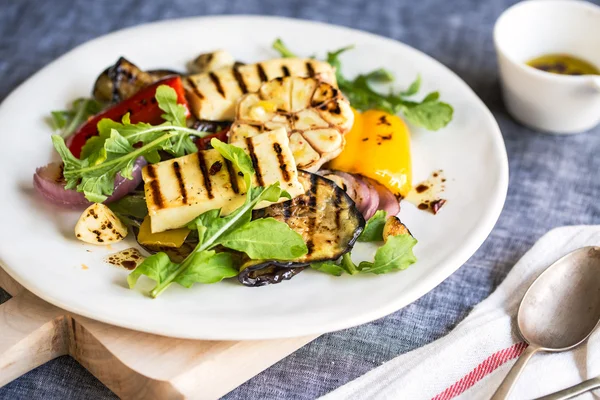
<point x="270" y="272"/>
<point x="124" y="79"/>
<point x="324" y="215"/>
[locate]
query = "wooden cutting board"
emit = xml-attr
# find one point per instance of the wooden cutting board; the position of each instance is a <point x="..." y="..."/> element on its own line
<point x="134" y="365"/>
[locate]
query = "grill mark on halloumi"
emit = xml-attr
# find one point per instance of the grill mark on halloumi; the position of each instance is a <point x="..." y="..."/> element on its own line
<point x="205" y="176"/>
<point x="232" y="177"/>
<point x="181" y="183"/>
<point x="261" y="72"/>
<point x="285" y="70"/>
<point x="155" y="186"/>
<point x="310" y="70"/>
<point x="282" y="165"/>
<point x="240" y="80"/>
<point x="150" y="170"/>
<point x="215" y="80"/>
<point x="255" y="163"/>
<point x="156" y="195"/>
<point x="195" y="89"/>
<point x="312" y="203"/>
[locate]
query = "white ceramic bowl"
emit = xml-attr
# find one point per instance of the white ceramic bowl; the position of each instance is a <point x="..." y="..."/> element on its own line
<point x="545" y="101"/>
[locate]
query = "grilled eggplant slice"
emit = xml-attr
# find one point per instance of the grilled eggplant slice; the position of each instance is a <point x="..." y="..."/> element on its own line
<point x="122" y="80"/>
<point x="324" y="215"/>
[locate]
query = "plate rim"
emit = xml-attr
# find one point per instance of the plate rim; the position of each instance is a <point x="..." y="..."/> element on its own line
<point x="434" y="278"/>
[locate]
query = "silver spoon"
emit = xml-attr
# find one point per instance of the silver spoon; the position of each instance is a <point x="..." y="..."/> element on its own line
<point x="559" y="310"/>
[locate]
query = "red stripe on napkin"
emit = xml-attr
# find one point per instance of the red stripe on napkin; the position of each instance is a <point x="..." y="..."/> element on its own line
<point x="486" y="367"/>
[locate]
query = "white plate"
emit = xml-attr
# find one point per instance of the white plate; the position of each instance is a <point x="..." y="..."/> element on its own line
<point x="38" y="248"/>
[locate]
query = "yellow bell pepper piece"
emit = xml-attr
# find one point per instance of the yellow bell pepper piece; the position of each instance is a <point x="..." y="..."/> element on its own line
<point x="172" y="238"/>
<point x="378" y="147"/>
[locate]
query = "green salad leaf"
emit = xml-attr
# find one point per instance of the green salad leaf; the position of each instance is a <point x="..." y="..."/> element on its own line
<point x="395" y="255"/>
<point x="261" y="238"/>
<point x="131" y="209"/>
<point x="67" y="121"/>
<point x="328" y="267"/>
<point x="373" y="231"/>
<point x="208" y="267"/>
<point x="266" y="238"/>
<point x="429" y="113"/>
<point x="113" y="151"/>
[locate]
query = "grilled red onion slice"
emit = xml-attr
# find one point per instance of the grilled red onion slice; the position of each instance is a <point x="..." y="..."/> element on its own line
<point x="48" y="181"/>
<point x="387" y="201"/>
<point x="369" y="206"/>
<point x="365" y="196"/>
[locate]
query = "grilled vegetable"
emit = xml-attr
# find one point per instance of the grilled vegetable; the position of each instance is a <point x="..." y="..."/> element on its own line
<point x="213" y="95"/>
<point x="326" y="218"/>
<point x="261" y="273"/>
<point x="121" y="81"/>
<point x="180" y="189"/>
<point x="387" y="201"/>
<point x="99" y="225"/>
<point x="172" y="238"/>
<point x="314" y="113"/>
<point x="393" y="227"/>
<point x="378" y="147"/>
<point x="142" y="107"/>
<point x="209" y="62"/>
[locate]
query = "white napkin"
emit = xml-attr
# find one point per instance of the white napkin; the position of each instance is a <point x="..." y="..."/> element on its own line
<point x="471" y="361"/>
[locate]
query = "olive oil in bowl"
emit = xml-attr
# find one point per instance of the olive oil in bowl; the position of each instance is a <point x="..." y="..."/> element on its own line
<point x="563" y="64"/>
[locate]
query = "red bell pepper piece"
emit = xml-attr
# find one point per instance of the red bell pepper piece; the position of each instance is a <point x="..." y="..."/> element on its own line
<point x="203" y="143"/>
<point x="142" y="107"/>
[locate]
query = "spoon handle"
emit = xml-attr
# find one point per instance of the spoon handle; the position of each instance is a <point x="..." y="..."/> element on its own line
<point x="574" y="391"/>
<point x="509" y="381"/>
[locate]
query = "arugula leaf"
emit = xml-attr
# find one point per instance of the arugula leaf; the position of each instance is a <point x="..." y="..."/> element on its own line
<point x="156" y="267"/>
<point x="431" y="115"/>
<point x="67" y="121"/>
<point x="113" y="151"/>
<point x="328" y="267"/>
<point x="373" y="231"/>
<point x="266" y="238"/>
<point x="237" y="156"/>
<point x="413" y="88"/>
<point x="134" y="205"/>
<point x="175" y="114"/>
<point x="167" y="101"/>
<point x="207" y="267"/>
<point x="381" y="75"/>
<point x="396" y="254"/>
<point x="97" y="181"/>
<point x="282" y="49"/>
<point x="349" y="265"/>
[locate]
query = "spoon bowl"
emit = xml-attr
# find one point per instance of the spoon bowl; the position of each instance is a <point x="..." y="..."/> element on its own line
<point x="560" y="310"/>
<point x="562" y="307"/>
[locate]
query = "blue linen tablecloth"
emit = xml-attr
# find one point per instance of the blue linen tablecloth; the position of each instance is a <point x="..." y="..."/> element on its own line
<point x="553" y="179"/>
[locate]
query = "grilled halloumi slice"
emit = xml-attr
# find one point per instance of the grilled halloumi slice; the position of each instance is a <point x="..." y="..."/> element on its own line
<point x="213" y="61"/>
<point x="213" y="95"/>
<point x="180" y="189"/>
<point x="315" y="114"/>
